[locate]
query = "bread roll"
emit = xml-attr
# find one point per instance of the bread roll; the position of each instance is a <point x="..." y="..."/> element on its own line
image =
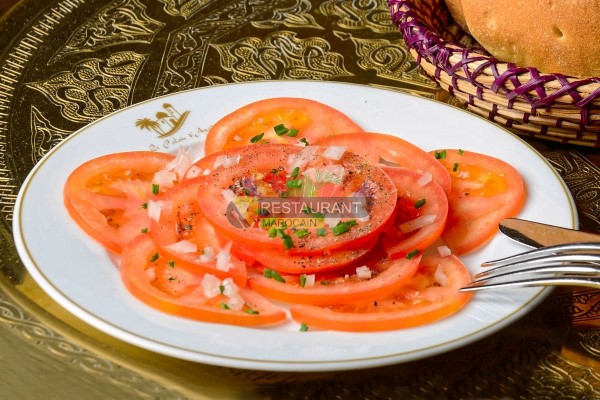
<point x="554" y="36"/>
<point x="456" y="11"/>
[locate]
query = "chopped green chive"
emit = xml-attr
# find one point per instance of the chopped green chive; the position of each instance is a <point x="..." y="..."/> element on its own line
<point x="324" y="283"/>
<point x="272" y="274"/>
<point x="340" y="228"/>
<point x="145" y="205"/>
<point x="154" y="257"/>
<point x="460" y="152"/>
<point x="144" y="230"/>
<point x="288" y="243"/>
<point x="294" y="183"/>
<point x="295" y="172"/>
<point x="420" y="203"/>
<point x="272" y="232"/>
<point x="251" y="311"/>
<point x="455" y="167"/>
<point x="304" y="141"/>
<point x="256" y="138"/>
<point x="440" y="154"/>
<point x="351" y="223"/>
<point x="171" y="264"/>
<point x="303" y="327"/>
<point x="280" y="130"/>
<point x="302" y="233"/>
<point x="302" y="280"/>
<point x="412" y="254"/>
<point x="224" y="306"/>
<point x="321" y="232"/>
<point x="155" y="188"/>
<point x="221" y="289"/>
<point x="293" y="132"/>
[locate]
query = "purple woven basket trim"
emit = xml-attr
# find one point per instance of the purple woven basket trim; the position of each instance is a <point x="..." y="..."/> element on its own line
<point x="422" y="38"/>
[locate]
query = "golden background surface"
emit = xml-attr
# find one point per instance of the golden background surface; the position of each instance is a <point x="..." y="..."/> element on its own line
<point x="108" y="54"/>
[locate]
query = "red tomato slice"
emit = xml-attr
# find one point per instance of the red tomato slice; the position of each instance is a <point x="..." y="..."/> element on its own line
<point x="180" y="292"/>
<point x="311" y="119"/>
<point x="431" y="294"/>
<point x="181" y="227"/>
<point x="381" y="276"/>
<point x="390" y="150"/>
<point x="421" y="212"/>
<point x="233" y="196"/>
<point x="105" y="195"/>
<point x="485" y="190"/>
<point x="303" y="264"/>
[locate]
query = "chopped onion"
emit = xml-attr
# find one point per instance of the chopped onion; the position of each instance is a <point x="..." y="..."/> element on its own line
<point x="208" y="255"/>
<point x="310" y="280"/>
<point x="302" y="158"/>
<point x="151" y="273"/>
<point x="363" y="272"/>
<point x="181" y="163"/>
<point x="464" y="174"/>
<point x="331" y="222"/>
<point x="237" y="138"/>
<point x="224" y="258"/>
<point x="444" y="251"/>
<point x="235" y="302"/>
<point x="334" y="152"/>
<point x="425" y="179"/>
<point x="230" y="289"/>
<point x="183" y="247"/>
<point x="164" y="178"/>
<point x="193" y="172"/>
<point x="206" y="172"/>
<point x="440" y="277"/>
<point x="417" y="223"/>
<point x="227" y="161"/>
<point x="228" y="195"/>
<point x="155" y="208"/>
<point x="210" y="286"/>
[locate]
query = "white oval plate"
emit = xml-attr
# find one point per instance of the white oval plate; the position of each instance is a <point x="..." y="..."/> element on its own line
<point x="78" y="274"/>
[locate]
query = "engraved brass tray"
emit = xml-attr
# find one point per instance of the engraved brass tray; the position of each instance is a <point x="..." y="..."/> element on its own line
<point x="66" y="63"/>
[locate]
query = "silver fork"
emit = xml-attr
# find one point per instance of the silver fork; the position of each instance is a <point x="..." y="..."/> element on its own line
<point x="576" y="264"/>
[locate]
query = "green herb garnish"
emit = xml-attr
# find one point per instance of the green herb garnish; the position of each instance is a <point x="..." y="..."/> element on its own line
<point x="412" y="254"/>
<point x="256" y="138"/>
<point x="420" y="203"/>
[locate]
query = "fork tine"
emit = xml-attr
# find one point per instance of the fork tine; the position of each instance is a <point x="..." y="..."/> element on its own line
<point x="587" y="248"/>
<point x="564" y="280"/>
<point x="567" y="263"/>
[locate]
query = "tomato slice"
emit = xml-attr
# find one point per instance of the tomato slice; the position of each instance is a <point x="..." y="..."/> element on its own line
<point x="245" y="204"/>
<point x="303" y="264"/>
<point x="305" y="119"/>
<point x="485" y="190"/>
<point x="376" y="276"/>
<point x="105" y="196"/>
<point x="390" y="150"/>
<point x="185" y="236"/>
<point x="431" y="294"/>
<point x="181" y="292"/>
<point x="421" y="212"/>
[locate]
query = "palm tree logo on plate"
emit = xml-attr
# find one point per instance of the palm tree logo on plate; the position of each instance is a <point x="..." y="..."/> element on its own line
<point x="166" y="122"/>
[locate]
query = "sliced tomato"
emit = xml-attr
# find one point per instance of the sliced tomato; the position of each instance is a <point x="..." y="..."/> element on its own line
<point x="185" y="236"/>
<point x="485" y="190"/>
<point x="179" y="291"/>
<point x="390" y="150"/>
<point x="376" y="276"/>
<point x="421" y="212"/>
<point x="303" y="264"/>
<point x="304" y="119"/>
<point x="431" y="294"/>
<point x="233" y="196"/>
<point x="106" y="196"/>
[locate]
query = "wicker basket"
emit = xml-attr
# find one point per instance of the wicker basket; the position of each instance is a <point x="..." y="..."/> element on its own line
<point x="523" y="99"/>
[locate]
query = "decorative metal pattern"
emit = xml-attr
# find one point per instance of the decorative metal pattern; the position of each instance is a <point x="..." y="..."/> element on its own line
<point x="68" y="62"/>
